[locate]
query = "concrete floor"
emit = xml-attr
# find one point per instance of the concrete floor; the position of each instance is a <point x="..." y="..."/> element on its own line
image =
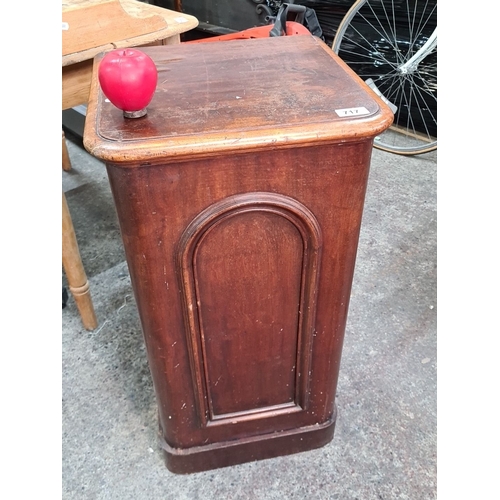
<point x="385" y="440"/>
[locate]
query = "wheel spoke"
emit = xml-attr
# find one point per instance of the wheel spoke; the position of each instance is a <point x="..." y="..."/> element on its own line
<point x="421" y="95"/>
<point x="369" y="45"/>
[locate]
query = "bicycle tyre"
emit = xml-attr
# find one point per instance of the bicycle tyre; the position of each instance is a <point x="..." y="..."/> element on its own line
<point x="375" y="38"/>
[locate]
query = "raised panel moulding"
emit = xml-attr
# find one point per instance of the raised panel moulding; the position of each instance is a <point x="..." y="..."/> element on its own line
<point x="250" y="356"/>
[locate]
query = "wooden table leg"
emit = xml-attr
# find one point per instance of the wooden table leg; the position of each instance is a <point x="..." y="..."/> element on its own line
<point x="73" y="267"/>
<point x="66" y="162"/>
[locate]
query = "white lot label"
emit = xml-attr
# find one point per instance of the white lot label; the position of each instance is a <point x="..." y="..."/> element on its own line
<point x="352" y="111"/>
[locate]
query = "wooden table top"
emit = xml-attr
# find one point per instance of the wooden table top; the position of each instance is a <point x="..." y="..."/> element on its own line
<point x="94" y="26"/>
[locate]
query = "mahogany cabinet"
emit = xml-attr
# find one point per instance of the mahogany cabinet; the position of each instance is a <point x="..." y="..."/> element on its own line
<point x="239" y="197"/>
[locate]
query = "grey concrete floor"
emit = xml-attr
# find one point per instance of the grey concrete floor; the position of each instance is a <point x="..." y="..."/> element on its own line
<point x="385" y="440"/>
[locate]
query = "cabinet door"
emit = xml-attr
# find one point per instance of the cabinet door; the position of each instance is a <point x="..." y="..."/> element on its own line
<point x="250" y="266"/>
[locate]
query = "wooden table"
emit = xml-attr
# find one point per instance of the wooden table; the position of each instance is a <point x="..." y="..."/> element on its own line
<point x="89" y="28"/>
<point x="96" y="26"/>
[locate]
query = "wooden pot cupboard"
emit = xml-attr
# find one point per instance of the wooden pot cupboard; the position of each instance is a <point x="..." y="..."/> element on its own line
<point x="240" y="196"/>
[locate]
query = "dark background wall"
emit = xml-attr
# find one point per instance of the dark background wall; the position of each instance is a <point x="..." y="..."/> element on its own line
<point x="226" y="16"/>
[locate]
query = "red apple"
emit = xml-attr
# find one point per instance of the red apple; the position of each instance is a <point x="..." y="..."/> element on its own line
<point x="128" y="79"/>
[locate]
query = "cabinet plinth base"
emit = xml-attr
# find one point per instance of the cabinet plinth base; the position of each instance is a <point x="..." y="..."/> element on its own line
<point x="224" y="454"/>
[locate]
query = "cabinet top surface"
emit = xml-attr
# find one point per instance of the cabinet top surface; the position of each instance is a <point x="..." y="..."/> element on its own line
<point x="238" y="95"/>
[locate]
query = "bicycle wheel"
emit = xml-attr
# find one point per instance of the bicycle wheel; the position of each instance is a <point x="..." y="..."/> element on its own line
<point x="392" y="45"/>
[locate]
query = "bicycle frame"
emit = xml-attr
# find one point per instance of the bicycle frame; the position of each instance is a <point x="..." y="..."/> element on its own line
<point x="411" y="65"/>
